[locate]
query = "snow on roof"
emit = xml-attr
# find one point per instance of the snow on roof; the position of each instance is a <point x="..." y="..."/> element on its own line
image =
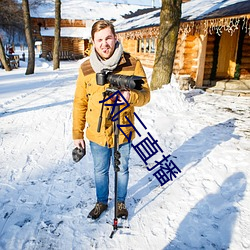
<point x="192" y="10"/>
<point x="85" y="10"/>
<point x="198" y="9"/>
<point x="145" y="20"/>
<point x="79" y="32"/>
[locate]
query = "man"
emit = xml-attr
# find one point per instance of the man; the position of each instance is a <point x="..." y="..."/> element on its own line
<point x="107" y="54"/>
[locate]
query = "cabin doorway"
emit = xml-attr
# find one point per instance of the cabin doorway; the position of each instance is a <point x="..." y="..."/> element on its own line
<point x="228" y="47"/>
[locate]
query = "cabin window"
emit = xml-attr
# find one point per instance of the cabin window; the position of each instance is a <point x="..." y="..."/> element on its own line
<point x="152" y="45"/>
<point x="140" y="45"/>
<point x="146" y="45"/>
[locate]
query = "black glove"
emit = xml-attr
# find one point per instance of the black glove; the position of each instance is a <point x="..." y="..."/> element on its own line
<point x="78" y="153"/>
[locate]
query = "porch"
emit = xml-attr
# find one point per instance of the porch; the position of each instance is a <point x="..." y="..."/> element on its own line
<point x="231" y="87"/>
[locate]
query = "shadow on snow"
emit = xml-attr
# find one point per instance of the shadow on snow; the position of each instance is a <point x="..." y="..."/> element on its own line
<point x="209" y="225"/>
<point x="23" y="110"/>
<point x="187" y="156"/>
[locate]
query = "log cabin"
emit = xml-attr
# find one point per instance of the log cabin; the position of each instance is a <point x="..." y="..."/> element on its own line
<point x="213" y="41"/>
<point x="77" y="19"/>
<point x="74" y="37"/>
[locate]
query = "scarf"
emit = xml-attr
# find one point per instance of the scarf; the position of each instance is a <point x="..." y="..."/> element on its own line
<point x="98" y="64"/>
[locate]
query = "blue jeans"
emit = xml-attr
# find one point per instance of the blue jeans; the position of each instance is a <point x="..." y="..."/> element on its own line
<point x="102" y="157"/>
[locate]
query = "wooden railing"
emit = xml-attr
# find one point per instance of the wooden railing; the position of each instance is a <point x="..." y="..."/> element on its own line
<point x="64" y="55"/>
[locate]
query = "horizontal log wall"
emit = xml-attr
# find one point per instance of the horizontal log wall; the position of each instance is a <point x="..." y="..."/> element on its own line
<point x="50" y="22"/>
<point x="186" y="55"/>
<point x="209" y="57"/>
<point x="245" y="60"/>
<point x="131" y="46"/>
<point x="178" y="61"/>
<point x="47" y="45"/>
<point x="79" y="46"/>
<point x="146" y="59"/>
<point x="185" y="59"/>
<point x="73" y="45"/>
<point x="187" y="50"/>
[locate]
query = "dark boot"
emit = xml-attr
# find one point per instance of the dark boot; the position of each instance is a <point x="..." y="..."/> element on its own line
<point x="97" y="210"/>
<point x="122" y="211"/>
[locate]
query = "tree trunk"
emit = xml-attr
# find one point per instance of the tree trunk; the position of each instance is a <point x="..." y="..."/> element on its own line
<point x="56" y="59"/>
<point x="28" y="33"/>
<point x="168" y="34"/>
<point x="3" y="57"/>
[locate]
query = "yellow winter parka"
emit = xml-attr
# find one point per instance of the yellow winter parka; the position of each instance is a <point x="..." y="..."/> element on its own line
<point x="86" y="106"/>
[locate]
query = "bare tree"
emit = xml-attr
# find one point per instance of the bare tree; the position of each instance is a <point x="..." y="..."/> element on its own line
<point x="168" y="34"/>
<point x="3" y="57"/>
<point x="11" y="16"/>
<point x="28" y="33"/>
<point x="56" y="59"/>
<point x="11" y="24"/>
<point x="36" y="3"/>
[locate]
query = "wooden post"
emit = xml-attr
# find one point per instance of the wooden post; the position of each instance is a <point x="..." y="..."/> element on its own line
<point x="201" y="60"/>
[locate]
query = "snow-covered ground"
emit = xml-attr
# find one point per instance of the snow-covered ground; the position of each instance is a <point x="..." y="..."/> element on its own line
<point x="45" y="197"/>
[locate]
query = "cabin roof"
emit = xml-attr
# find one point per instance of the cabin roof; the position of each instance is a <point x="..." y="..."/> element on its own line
<point x="193" y="10"/>
<point x="77" y="32"/>
<point x="84" y="10"/>
<point x="140" y="21"/>
<point x="208" y="9"/>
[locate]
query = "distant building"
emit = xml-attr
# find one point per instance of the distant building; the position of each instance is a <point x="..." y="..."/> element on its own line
<point x="75" y="36"/>
<point x="77" y="19"/>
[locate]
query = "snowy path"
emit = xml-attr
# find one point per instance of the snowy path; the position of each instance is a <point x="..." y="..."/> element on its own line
<point x="45" y="197"/>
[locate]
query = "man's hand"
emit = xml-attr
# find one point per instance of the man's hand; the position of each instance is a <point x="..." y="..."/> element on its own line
<point x="79" y="143"/>
<point x="79" y="151"/>
<point x="125" y="94"/>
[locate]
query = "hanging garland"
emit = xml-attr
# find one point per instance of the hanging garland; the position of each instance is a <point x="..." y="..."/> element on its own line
<point x="148" y="32"/>
<point x="229" y="24"/>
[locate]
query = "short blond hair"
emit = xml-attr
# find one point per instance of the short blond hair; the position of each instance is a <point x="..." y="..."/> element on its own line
<point x="100" y="25"/>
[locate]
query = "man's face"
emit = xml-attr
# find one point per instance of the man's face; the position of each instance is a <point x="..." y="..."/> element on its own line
<point x="104" y="42"/>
